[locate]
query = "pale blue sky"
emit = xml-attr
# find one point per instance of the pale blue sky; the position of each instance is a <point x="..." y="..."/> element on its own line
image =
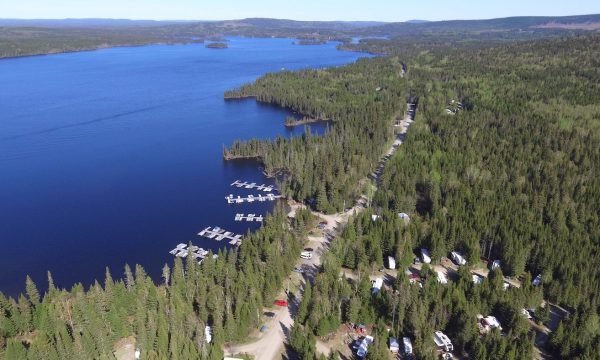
<point x="381" y="10"/>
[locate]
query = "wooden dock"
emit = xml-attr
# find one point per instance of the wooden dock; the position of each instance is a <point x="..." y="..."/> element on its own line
<point x="249" y="217"/>
<point x="251" y="198"/>
<point x="219" y="234"/>
<point x="247" y="185"/>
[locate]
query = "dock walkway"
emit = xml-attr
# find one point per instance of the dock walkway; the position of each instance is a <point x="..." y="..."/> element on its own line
<point x="183" y="251"/>
<point x="247" y="185"/>
<point x="219" y="234"/>
<point x="251" y="198"/>
<point x="249" y="217"/>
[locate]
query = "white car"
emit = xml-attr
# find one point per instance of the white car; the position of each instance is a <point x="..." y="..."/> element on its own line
<point x="307" y="255"/>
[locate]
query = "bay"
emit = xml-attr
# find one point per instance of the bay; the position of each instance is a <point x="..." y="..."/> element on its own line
<point x="115" y="156"/>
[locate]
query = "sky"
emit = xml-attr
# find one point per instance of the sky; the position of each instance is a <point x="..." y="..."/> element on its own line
<point x="370" y="10"/>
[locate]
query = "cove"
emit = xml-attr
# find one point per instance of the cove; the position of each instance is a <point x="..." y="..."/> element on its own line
<point x="115" y="156"/>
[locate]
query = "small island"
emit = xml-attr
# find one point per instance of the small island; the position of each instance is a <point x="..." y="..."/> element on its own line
<point x="217" y="45"/>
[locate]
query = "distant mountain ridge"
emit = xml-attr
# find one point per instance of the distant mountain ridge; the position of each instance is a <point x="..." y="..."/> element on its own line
<point x="347" y="27"/>
<point x="45" y="36"/>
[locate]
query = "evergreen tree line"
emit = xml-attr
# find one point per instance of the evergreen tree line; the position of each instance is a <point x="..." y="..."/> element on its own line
<point x="167" y="320"/>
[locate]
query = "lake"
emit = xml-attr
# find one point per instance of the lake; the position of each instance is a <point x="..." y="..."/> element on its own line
<point x="115" y="156"/>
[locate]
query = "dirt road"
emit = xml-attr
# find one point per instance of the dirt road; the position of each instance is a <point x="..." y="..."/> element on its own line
<point x="270" y="344"/>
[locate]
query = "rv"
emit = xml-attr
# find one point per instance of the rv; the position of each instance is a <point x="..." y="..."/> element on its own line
<point x="441" y="277"/>
<point x="377" y="284"/>
<point x="391" y="263"/>
<point x="307" y="255"/>
<point x="362" y="346"/>
<point x="425" y="256"/>
<point x="458" y="258"/>
<point x="394" y="345"/>
<point x="408" y="349"/>
<point x="442" y="341"/>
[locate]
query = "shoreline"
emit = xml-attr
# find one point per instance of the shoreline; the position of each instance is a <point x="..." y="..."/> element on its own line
<point x="92" y="49"/>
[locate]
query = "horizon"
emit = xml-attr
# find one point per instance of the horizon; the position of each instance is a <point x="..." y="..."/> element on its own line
<point x="284" y="19"/>
<point x="309" y="10"/>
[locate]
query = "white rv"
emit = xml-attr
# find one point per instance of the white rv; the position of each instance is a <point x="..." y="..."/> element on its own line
<point x="391" y="263"/>
<point x="458" y="258"/>
<point x="425" y="256"/>
<point x="376" y="285"/>
<point x="442" y="341"/>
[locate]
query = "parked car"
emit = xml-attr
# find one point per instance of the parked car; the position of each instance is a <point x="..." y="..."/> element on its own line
<point x="299" y="270"/>
<point x="307" y="255"/>
<point x="309" y="249"/>
<point x="282" y="303"/>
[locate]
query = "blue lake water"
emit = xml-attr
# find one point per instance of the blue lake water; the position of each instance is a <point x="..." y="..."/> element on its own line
<point x="115" y="156"/>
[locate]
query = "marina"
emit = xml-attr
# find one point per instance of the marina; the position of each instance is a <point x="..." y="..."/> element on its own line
<point x="246" y="185"/>
<point x="249" y="217"/>
<point x="219" y="234"/>
<point x="251" y="198"/>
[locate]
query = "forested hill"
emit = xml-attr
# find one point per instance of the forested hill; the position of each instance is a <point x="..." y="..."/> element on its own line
<point x="31" y="37"/>
<point x="510" y="175"/>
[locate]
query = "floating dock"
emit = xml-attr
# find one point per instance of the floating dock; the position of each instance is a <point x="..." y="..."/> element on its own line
<point x="219" y="234"/>
<point x="249" y="217"/>
<point x="251" y="198"/>
<point x="247" y="185"/>
<point x="183" y="251"/>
